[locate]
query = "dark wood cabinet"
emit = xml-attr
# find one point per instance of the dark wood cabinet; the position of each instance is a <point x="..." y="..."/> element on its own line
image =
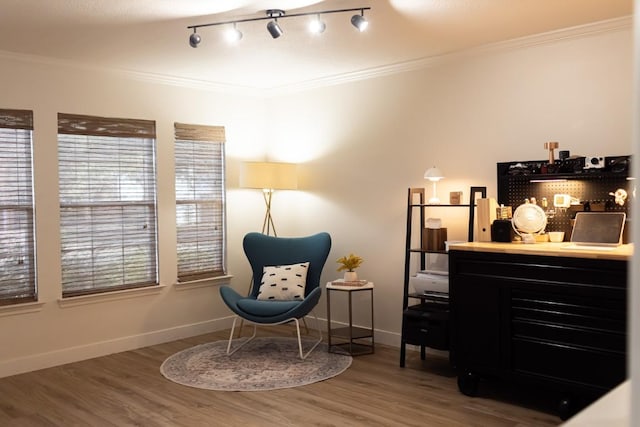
<point x="554" y="321"/>
<point x="478" y="330"/>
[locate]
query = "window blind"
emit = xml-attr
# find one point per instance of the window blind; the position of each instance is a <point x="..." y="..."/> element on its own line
<point x="200" y="201"/>
<point x="17" y="244"/>
<point x="107" y="203"/>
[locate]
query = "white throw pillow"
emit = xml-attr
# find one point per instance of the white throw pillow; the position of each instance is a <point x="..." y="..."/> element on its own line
<point x="283" y="282"/>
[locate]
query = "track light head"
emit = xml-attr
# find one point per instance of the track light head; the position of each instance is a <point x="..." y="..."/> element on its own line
<point x="316" y="26"/>
<point x="233" y="34"/>
<point x="274" y="29"/>
<point x="194" y="39"/>
<point x="359" y="21"/>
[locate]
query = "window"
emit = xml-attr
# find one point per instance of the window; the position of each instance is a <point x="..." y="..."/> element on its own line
<point x="107" y="204"/>
<point x="17" y="245"/>
<point x="200" y="201"/>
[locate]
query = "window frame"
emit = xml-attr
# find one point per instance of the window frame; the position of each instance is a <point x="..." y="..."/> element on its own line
<point x="190" y="143"/>
<point x="121" y="155"/>
<point x="16" y="127"/>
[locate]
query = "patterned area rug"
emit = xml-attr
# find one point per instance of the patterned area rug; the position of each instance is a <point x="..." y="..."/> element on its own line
<point x="266" y="363"/>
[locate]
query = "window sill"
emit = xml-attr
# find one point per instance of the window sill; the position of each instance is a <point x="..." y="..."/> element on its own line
<point x="17" y="309"/>
<point x="110" y="296"/>
<point x="202" y="283"/>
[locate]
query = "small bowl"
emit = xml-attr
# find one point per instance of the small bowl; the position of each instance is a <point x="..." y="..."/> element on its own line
<point x="556" y="236"/>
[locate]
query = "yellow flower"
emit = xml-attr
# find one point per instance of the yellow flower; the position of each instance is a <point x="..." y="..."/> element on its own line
<point x="349" y="263"/>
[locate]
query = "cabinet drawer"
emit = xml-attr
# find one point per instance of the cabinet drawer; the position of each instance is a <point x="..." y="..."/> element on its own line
<point x="426" y="328"/>
<point x="572" y="336"/>
<point x="603" y="277"/>
<point x="599" y="369"/>
<point x="605" y="314"/>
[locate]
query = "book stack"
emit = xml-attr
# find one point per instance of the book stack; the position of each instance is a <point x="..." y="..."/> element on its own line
<point x="342" y="282"/>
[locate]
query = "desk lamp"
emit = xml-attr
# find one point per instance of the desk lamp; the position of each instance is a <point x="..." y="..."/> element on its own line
<point x="268" y="176"/>
<point x="434" y="175"/>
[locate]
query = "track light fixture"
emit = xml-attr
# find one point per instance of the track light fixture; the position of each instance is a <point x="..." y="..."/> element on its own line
<point x="233" y="34"/>
<point x="317" y="26"/>
<point x="359" y="21"/>
<point x="194" y="39"/>
<point x="274" y="29"/>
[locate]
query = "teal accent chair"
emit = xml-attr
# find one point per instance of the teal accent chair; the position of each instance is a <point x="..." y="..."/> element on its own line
<point x="262" y="250"/>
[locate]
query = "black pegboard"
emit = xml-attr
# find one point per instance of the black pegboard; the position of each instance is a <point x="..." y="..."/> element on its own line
<point x="591" y="188"/>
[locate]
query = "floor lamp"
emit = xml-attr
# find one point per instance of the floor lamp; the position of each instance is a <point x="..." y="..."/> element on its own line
<point x="269" y="176"/>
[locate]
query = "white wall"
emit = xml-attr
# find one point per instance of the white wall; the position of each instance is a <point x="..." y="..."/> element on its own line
<point x="39" y="335"/>
<point x="360" y="145"/>
<point x="371" y="140"/>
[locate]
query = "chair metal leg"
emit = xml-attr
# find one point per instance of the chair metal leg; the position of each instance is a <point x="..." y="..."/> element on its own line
<point x="248" y="294"/>
<point x="240" y="328"/>
<point x="303" y="355"/>
<point x="229" y="351"/>
<point x="315" y="344"/>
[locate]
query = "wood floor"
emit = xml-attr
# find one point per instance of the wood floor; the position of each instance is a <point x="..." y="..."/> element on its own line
<point x="127" y="389"/>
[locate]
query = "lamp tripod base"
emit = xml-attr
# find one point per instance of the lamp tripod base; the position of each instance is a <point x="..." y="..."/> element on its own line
<point x="267" y="224"/>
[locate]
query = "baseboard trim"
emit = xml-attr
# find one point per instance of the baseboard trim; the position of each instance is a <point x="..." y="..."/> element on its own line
<point x="102" y="348"/>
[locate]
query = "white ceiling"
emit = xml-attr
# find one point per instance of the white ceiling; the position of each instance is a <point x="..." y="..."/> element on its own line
<point x="151" y="36"/>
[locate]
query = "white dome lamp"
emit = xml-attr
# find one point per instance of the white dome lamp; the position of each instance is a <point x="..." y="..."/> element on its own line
<point x="434" y="175"/>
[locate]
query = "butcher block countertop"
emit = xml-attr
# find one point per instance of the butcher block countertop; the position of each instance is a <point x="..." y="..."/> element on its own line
<point x="564" y="249"/>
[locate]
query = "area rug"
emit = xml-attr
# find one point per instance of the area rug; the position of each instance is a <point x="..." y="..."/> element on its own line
<point x="266" y="363"/>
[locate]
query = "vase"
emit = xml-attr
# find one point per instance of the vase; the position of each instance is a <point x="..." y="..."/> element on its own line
<point x="350" y="276"/>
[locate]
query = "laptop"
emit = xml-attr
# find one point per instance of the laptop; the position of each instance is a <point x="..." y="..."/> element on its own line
<point x="598" y="229"/>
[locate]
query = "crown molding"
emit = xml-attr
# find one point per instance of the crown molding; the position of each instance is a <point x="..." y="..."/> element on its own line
<point x="189" y="83"/>
<point x="581" y="31"/>
<point x="577" y="32"/>
<point x="133" y="75"/>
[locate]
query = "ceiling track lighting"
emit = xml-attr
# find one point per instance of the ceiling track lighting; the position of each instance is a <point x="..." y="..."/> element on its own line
<point x="273" y="27"/>
<point x="317" y="26"/>
<point x="360" y="22"/>
<point x="194" y="39"/>
<point x="233" y="34"/>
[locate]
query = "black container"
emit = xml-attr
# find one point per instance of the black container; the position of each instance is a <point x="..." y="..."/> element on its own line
<point x="427" y="324"/>
<point x="502" y="231"/>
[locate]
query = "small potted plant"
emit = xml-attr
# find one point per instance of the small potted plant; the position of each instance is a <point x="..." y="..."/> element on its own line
<point x="348" y="264"/>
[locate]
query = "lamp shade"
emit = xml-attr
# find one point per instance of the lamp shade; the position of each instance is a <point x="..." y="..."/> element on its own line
<point x="433" y="174"/>
<point x="269" y="176"/>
